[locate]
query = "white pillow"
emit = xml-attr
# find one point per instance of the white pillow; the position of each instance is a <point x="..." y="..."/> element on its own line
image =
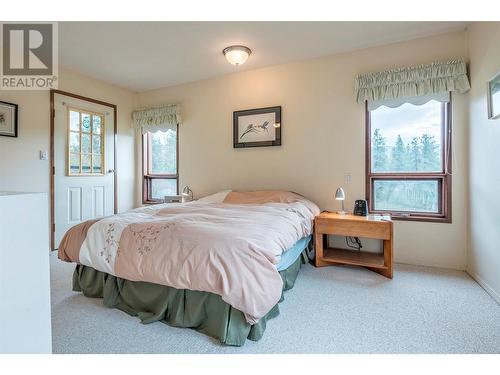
<point x="215" y="198"/>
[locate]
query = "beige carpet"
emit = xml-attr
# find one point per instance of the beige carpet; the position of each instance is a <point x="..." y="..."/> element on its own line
<point x="330" y="310"/>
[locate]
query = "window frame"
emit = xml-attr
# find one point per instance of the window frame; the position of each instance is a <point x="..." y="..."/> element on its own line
<point x="443" y="177"/>
<point x="91" y="133"/>
<point x="147" y="177"/>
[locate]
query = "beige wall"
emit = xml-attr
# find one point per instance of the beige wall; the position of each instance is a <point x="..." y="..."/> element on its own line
<point x="323" y="137"/>
<point x="20" y="167"/>
<point x="484" y="162"/>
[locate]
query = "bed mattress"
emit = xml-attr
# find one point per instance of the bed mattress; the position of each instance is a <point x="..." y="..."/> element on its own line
<point x="291" y="255"/>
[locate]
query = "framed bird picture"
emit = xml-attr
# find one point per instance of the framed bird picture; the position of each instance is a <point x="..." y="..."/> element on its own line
<point x="257" y="127"/>
<point x="8" y="119"/>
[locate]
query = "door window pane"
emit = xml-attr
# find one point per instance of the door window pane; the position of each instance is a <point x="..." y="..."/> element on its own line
<point x="74" y="163"/>
<point x="164" y="152"/>
<point x="162" y="187"/>
<point x="96" y="124"/>
<point x="407" y="138"/>
<point x="74" y="121"/>
<point x="406" y="195"/>
<point x="96" y="164"/>
<point x="74" y="142"/>
<point x="85" y="164"/>
<point x="86" y="143"/>
<point x="96" y="144"/>
<point x="85" y="122"/>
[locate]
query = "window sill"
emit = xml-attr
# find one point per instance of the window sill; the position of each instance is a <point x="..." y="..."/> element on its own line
<point x="148" y="203"/>
<point x="428" y="219"/>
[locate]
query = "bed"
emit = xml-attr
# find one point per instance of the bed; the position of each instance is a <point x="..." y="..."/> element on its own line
<point x="219" y="265"/>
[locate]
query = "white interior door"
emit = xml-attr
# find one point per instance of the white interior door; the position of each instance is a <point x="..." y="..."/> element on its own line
<point x="83" y="162"/>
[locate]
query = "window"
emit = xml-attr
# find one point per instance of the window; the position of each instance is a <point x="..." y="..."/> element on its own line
<point x="85" y="143"/>
<point x="408" y="164"/>
<point x="160" y="165"/>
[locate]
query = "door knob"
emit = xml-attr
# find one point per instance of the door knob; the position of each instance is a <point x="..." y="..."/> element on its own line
<point x="111" y="171"/>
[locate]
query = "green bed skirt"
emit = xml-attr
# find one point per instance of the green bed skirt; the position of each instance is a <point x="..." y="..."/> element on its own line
<point x="203" y="311"/>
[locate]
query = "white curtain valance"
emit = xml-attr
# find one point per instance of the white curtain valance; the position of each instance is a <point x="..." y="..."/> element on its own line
<point x="421" y="80"/>
<point x="157" y="118"/>
<point x="443" y="97"/>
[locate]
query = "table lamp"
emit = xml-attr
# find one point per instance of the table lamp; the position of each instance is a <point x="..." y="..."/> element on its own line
<point x="340" y="196"/>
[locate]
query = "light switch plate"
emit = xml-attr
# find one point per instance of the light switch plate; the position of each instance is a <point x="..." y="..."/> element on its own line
<point x="43" y="155"/>
<point x="348" y="178"/>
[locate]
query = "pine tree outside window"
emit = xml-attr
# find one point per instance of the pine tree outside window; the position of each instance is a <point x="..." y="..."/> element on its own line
<point x="408" y="164"/>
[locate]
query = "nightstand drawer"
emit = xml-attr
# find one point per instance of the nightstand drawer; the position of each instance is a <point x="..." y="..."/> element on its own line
<point x="371" y="229"/>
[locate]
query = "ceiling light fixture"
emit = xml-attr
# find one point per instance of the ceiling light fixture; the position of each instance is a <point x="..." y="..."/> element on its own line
<point x="236" y="55"/>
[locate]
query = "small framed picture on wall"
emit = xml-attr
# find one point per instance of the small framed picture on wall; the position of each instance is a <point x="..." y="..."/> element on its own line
<point x="8" y="119"/>
<point x="257" y="127"/>
<point x="494" y="97"/>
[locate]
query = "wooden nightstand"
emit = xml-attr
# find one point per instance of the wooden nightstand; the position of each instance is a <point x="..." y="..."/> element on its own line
<point x="354" y="226"/>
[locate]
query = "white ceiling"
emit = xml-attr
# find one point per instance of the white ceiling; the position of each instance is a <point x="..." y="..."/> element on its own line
<point x="147" y="55"/>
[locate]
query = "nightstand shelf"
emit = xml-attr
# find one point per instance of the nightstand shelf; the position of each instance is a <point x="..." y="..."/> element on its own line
<point x="329" y="223"/>
<point x="353" y="257"/>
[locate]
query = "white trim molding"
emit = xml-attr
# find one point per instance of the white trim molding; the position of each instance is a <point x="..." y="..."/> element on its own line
<point x="484" y="285"/>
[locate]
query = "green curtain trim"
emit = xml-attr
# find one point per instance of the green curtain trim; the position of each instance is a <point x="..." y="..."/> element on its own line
<point x="426" y="79"/>
<point x="202" y="311"/>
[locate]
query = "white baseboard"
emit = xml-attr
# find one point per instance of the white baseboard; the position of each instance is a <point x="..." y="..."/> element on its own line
<point x="485" y="286"/>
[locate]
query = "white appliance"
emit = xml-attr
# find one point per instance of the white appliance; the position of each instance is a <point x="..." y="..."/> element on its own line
<point x="25" y="325"/>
